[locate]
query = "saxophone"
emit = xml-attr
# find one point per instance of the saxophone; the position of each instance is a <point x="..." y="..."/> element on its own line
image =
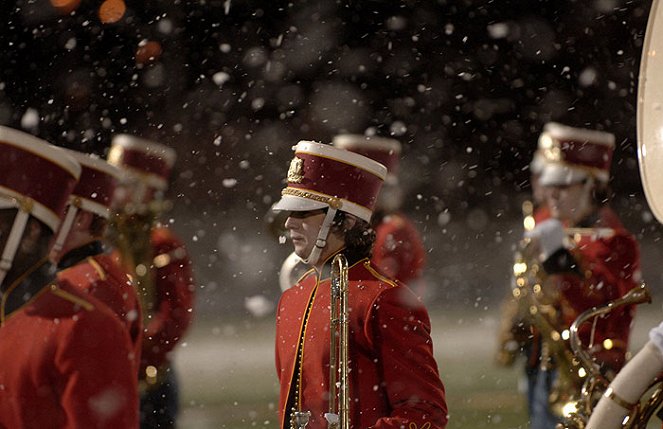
<point x="556" y="352"/>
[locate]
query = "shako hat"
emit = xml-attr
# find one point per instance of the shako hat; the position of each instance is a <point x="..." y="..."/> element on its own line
<point x="574" y="154"/>
<point x="35" y="176"/>
<point x="95" y="188"/>
<point x="93" y="192"/>
<point x="149" y="161"/>
<point x="321" y="176"/>
<point x="384" y="150"/>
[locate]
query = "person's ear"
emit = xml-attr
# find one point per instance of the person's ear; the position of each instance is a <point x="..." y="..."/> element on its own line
<point x="84" y="219"/>
<point x="31" y="236"/>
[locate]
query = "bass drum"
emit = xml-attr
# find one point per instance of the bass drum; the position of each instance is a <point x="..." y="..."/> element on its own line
<point x="638" y="375"/>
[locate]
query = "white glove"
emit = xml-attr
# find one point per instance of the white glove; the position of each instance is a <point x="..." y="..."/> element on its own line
<point x="656" y="337"/>
<point x="550" y="235"/>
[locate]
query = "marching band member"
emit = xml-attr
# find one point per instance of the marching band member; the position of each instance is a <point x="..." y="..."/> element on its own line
<point x="66" y="358"/>
<point x="394" y="380"/>
<point x="80" y="248"/>
<point x="598" y="266"/>
<point x="398" y="251"/>
<point x="162" y="268"/>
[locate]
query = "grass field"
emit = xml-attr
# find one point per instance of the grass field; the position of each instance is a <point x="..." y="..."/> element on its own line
<point x="228" y="378"/>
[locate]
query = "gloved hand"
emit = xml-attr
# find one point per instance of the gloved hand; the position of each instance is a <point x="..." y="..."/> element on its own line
<point x="550" y="237"/>
<point x="656" y="337"/>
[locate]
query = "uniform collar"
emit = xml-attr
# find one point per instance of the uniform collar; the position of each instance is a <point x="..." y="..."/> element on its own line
<point x="326" y="268"/>
<point x="76" y="255"/>
<point x="26" y="287"/>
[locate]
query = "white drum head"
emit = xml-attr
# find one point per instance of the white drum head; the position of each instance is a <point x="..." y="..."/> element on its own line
<point x="650" y="111"/>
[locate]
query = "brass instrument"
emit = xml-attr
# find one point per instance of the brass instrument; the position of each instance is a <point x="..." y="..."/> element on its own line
<point x="555" y="351"/>
<point x="537" y="306"/>
<point x="338" y="416"/>
<point x="578" y="412"/>
<point x="130" y="233"/>
<point x="515" y="321"/>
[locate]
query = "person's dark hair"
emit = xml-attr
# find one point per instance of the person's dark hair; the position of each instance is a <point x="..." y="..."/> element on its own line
<point x="98" y="226"/>
<point x="601" y="193"/>
<point x="359" y="238"/>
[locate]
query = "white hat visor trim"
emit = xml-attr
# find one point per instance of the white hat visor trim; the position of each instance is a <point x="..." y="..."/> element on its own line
<point x="13" y="199"/>
<point x="296" y="203"/>
<point x="90" y="206"/>
<point x="558" y="174"/>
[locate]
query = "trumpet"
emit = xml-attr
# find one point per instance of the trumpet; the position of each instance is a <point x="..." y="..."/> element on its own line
<point x="338" y="416"/>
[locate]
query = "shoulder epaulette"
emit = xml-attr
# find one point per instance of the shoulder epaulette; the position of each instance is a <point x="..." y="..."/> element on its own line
<point x="55" y="290"/>
<point x="97" y="267"/>
<point x="367" y="265"/>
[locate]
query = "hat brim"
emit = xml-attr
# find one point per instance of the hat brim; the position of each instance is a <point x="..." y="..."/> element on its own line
<point x="297" y="204"/>
<point x="561" y="175"/>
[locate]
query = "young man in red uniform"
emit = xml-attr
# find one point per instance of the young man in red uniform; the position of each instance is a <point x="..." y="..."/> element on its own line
<point x="398" y="251"/>
<point x="80" y="250"/>
<point x="393" y="377"/>
<point x="162" y="267"/>
<point x="66" y="359"/>
<point x="592" y="267"/>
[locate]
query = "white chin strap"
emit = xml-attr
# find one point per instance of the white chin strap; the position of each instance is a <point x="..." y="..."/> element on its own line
<point x="321" y="241"/>
<point x="65" y="228"/>
<point x="13" y="241"/>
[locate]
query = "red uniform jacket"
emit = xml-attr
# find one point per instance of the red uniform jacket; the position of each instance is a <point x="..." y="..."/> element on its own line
<point x="103" y="277"/>
<point x="398" y="251"/>
<point x="602" y="269"/>
<point x="394" y="378"/>
<point x="66" y="364"/>
<point x="174" y="299"/>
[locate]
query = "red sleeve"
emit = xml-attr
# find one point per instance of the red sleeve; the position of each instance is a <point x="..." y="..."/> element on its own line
<point x="398" y="251"/>
<point x="175" y="299"/>
<point x="100" y="386"/>
<point x="401" y="335"/>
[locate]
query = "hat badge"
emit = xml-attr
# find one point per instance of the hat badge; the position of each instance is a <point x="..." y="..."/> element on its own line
<point x="296" y="170"/>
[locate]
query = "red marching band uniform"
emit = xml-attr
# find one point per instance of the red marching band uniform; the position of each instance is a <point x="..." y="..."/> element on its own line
<point x="66" y="358"/>
<point x="601" y="266"/>
<point x="90" y="267"/>
<point x="394" y="380"/>
<point x="168" y="302"/>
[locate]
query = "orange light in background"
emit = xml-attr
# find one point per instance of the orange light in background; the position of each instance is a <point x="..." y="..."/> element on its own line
<point x="112" y="11"/>
<point x="148" y="51"/>
<point x="65" y="7"/>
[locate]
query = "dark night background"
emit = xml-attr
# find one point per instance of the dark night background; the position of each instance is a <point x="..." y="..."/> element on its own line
<point x="466" y="86"/>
